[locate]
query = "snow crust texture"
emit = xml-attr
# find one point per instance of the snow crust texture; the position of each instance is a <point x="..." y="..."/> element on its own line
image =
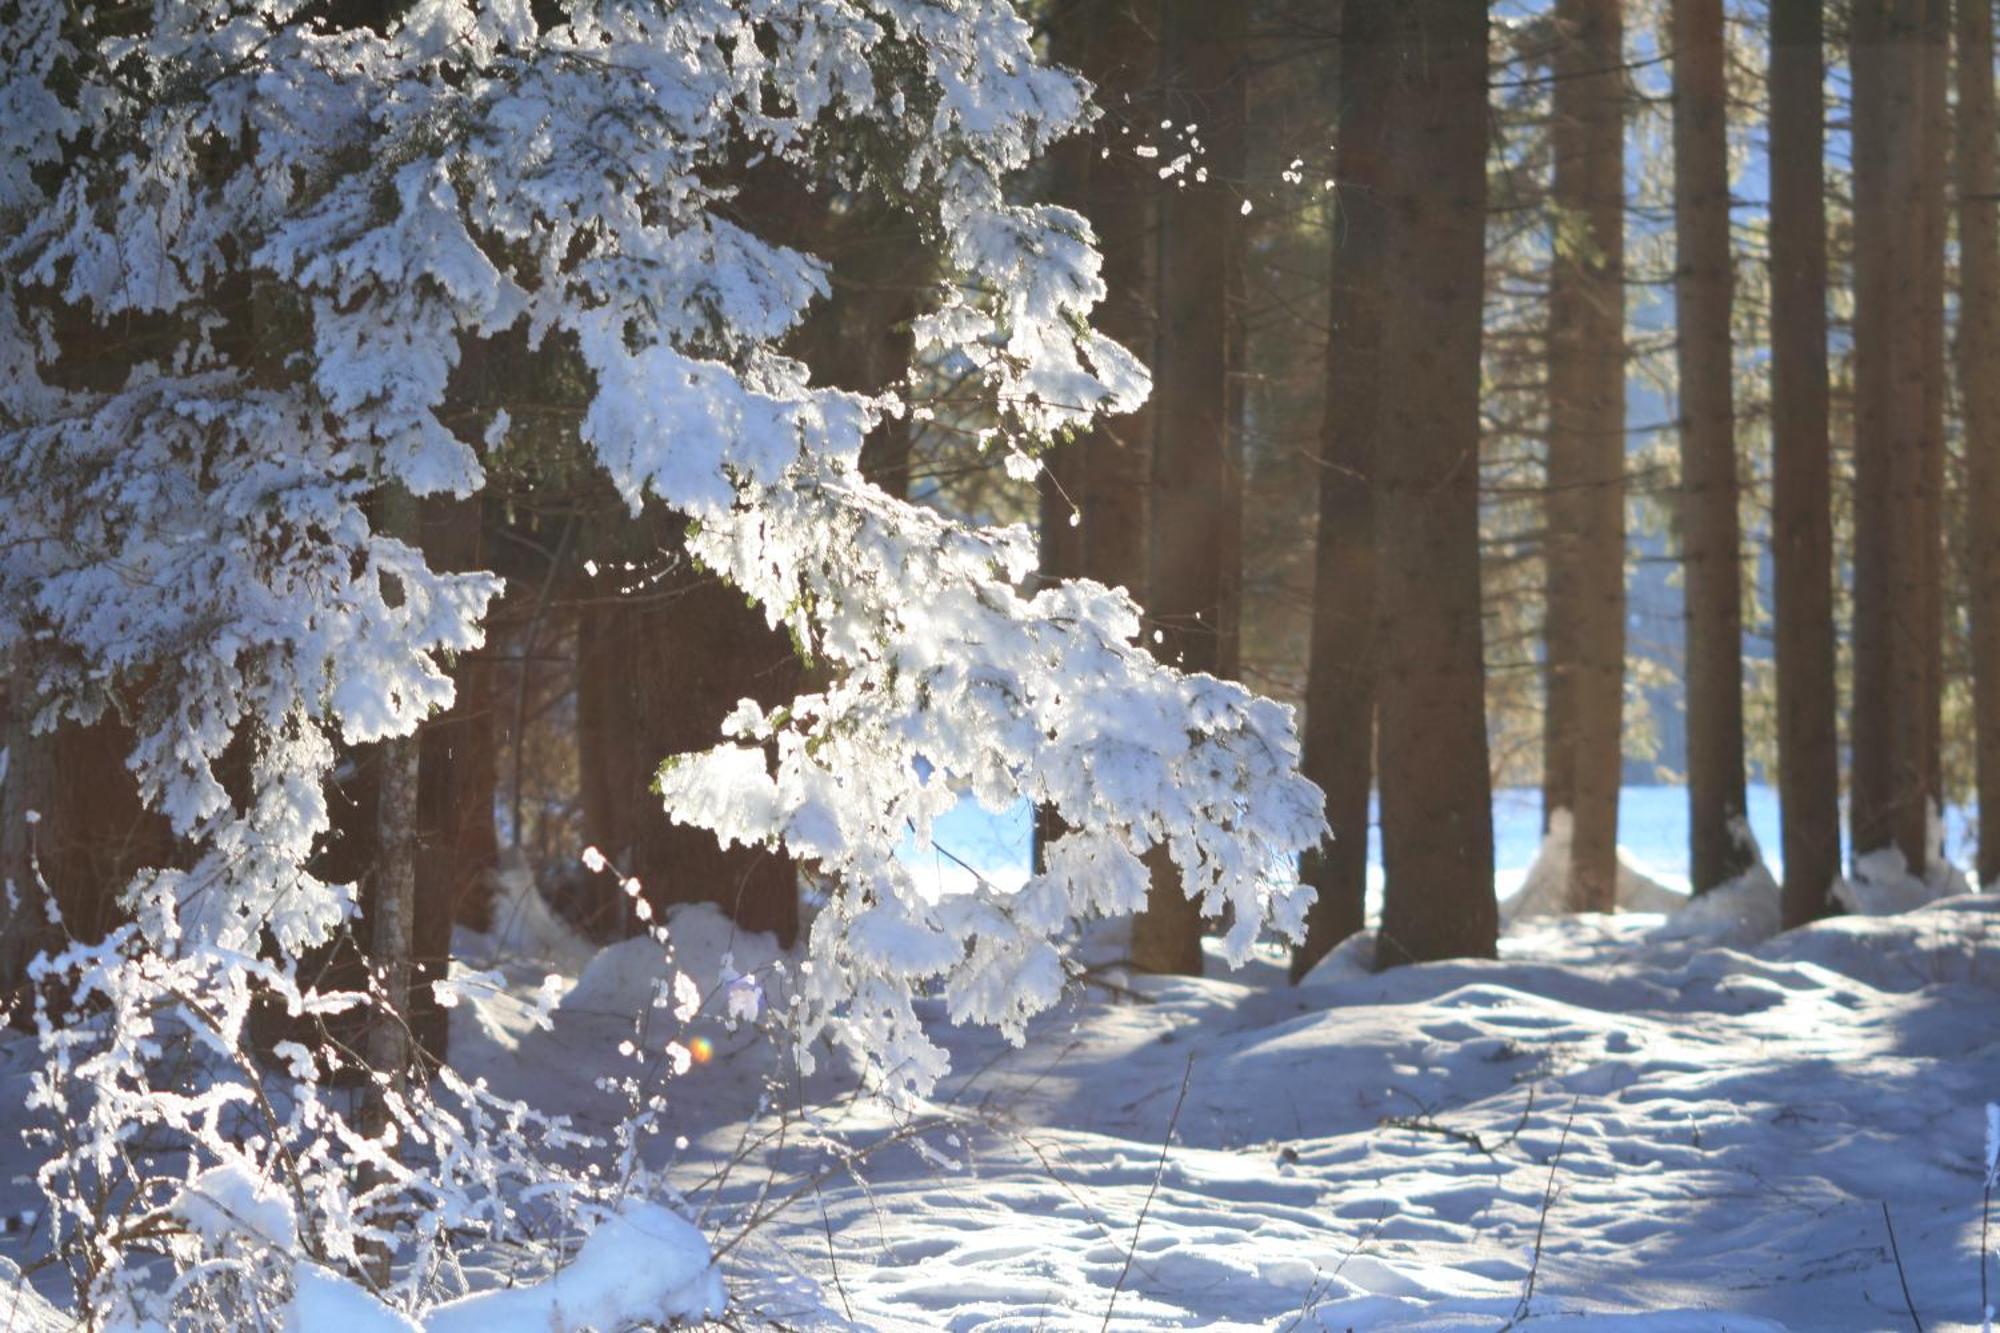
<point x="1722" y="1125"/>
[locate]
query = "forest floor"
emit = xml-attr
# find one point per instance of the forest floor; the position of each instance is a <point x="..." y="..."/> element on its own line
<point x="1625" y="1122"/>
<point x="1669" y="1121"/>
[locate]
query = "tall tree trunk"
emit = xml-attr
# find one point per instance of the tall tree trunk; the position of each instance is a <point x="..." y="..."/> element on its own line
<point x="659" y="665"/>
<point x="1094" y="488"/>
<point x="1894" y="558"/>
<point x="864" y="341"/>
<point x="1801" y="489"/>
<point x="1065" y="467"/>
<point x="75" y="833"/>
<point x="1121" y="56"/>
<point x="1710" y="541"/>
<point x="392" y="887"/>
<point x="1226" y="159"/>
<point x="1340" y="684"/>
<point x="1586" y="553"/>
<point x="1979" y="397"/>
<point x="1188" y="585"/>
<point x="458" y="765"/>
<point x="1437" y="811"/>
<point x="90" y="831"/>
<point x="1930" y="529"/>
<point x="26" y="793"/>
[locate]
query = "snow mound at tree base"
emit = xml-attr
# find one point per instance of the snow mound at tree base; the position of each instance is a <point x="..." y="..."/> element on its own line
<point x="1544" y="889"/>
<point x="1742" y="913"/>
<point x="1882" y="883"/>
<point x="720" y="960"/>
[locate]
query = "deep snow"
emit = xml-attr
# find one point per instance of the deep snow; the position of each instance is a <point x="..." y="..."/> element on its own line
<point x="1713" y="1123"/>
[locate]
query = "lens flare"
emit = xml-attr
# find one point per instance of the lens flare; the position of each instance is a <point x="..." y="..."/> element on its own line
<point x="702" y="1049"/>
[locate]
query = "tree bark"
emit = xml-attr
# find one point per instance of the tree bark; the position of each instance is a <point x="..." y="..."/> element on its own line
<point x="93" y="832"/>
<point x="1710" y="540"/>
<point x="1340" y="685"/>
<point x="1979" y="397"/>
<point x="1930" y="529"/>
<point x="659" y="665"/>
<point x="1437" y="813"/>
<point x="1584" y="752"/>
<point x="1801" y="490"/>
<point x="391" y="887"/>
<point x="1060" y="484"/>
<point x="1093" y="489"/>
<point x="458" y="765"/>
<point x="25" y="794"/>
<point x="879" y="270"/>
<point x="1121" y="58"/>
<point x="1192" y="477"/>
<point x="1895" y="560"/>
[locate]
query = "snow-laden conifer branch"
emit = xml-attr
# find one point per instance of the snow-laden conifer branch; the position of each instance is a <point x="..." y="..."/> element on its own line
<point x="247" y="251"/>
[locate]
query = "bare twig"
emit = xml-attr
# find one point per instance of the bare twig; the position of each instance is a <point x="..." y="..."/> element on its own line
<point x="832" y="1259"/>
<point x="1166" y="1144"/>
<point x="1901" y="1276"/>
<point x="1426" y="1122"/>
<point x="1542" y="1223"/>
<point x="1324" y="1283"/>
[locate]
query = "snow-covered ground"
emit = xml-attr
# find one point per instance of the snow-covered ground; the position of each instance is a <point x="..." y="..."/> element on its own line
<point x="1697" y="1130"/>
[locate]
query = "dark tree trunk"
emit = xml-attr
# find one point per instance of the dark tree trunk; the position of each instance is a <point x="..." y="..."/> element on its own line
<point x="1584" y="754"/>
<point x="70" y="819"/>
<point x="1437" y="813"/>
<point x="390" y="887"/>
<point x="1979" y="396"/>
<point x="1710" y="540"/>
<point x="1930" y="529"/>
<point x="1065" y="467"/>
<point x="863" y="340"/>
<point x="1802" y="522"/>
<point x="91" y="832"/>
<point x="24" y="795"/>
<point x="1093" y="488"/>
<point x="659" y="665"/>
<point x="1189" y="583"/>
<point x="1122" y="58"/>
<point x="458" y="764"/>
<point x="1340" y="685"/>
<point x="1895" y="559"/>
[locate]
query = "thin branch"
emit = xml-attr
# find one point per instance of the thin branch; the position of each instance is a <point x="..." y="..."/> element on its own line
<point x="1187" y="1076"/>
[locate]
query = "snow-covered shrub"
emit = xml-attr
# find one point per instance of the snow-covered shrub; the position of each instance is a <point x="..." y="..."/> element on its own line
<point x="310" y="224"/>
